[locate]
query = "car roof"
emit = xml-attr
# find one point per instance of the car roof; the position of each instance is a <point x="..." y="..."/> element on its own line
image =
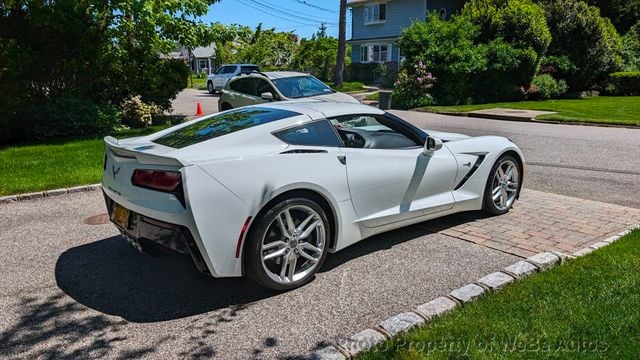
<point x="325" y="107"/>
<point x="283" y="74"/>
<point x="239" y="65"/>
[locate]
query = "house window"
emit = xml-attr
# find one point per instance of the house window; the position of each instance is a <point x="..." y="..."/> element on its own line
<point x="375" y="13"/>
<point x="375" y="53"/>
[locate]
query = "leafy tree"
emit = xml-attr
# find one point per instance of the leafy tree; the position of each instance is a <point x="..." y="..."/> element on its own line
<point x="631" y="48"/>
<point x="447" y="49"/>
<point x="317" y="56"/>
<point x="518" y="22"/>
<point x="623" y="13"/>
<point x="88" y="55"/>
<point x="589" y="41"/>
<point x="487" y="53"/>
<point x="268" y="48"/>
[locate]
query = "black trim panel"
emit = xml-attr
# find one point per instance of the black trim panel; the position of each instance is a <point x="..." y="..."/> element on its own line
<point x="474" y="168"/>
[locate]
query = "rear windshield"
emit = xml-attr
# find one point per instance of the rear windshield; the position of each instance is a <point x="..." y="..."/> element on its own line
<point x="222" y="124"/>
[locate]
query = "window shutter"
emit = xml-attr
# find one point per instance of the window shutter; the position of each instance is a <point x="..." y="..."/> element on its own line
<point x="366" y="14"/>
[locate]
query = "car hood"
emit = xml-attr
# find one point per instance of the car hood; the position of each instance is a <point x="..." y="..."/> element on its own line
<point x="336" y="96"/>
<point x="446" y="136"/>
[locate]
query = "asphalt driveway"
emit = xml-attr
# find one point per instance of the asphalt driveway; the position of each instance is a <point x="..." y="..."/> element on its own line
<point x="75" y="290"/>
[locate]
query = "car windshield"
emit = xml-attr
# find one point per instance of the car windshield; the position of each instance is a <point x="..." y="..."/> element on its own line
<point x="301" y="86"/>
<point x="223" y="124"/>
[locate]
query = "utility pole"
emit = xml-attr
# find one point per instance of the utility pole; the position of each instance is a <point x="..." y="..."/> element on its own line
<point x="342" y="44"/>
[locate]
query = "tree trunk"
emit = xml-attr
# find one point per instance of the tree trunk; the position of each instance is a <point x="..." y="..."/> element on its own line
<point x="342" y="44"/>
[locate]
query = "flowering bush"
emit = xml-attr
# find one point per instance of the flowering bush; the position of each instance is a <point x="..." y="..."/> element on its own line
<point x="136" y="113"/>
<point x="413" y="90"/>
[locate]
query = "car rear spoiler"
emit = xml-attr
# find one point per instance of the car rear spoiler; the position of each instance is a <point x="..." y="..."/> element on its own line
<point x="120" y="150"/>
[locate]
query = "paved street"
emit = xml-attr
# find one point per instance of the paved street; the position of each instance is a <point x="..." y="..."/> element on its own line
<point x="185" y="102"/>
<point x="70" y="289"/>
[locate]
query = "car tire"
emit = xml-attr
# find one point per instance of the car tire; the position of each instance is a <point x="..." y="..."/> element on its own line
<point x="210" y="87"/>
<point x="503" y="185"/>
<point x="283" y="260"/>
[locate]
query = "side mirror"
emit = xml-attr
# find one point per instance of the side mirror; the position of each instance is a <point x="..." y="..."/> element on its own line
<point x="432" y="145"/>
<point x="266" y="96"/>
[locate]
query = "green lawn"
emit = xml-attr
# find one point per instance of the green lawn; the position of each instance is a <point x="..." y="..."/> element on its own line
<point x="621" y="110"/>
<point x="375" y="96"/>
<point x="56" y="164"/>
<point x="588" y="308"/>
<point x="353" y="86"/>
<point x="196" y="83"/>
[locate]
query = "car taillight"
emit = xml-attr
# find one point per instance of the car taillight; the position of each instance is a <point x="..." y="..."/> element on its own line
<point x="167" y="181"/>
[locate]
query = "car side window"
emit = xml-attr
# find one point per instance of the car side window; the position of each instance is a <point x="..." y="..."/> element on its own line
<point x="369" y="131"/>
<point x="248" y="69"/>
<point x="263" y="86"/>
<point x="229" y="69"/>
<point x="243" y="85"/>
<point x="317" y="133"/>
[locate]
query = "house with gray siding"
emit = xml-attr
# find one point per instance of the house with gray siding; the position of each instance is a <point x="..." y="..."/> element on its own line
<point x="377" y="25"/>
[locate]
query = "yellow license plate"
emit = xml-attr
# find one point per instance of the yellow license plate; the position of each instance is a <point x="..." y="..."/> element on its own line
<point x="120" y="216"/>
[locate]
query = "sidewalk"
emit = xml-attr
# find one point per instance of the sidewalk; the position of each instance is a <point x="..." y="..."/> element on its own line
<point x="499" y="114"/>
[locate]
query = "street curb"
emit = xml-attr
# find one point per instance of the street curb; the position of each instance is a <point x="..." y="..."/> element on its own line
<point x="348" y="348"/>
<point x="48" y="193"/>
<point x="521" y="119"/>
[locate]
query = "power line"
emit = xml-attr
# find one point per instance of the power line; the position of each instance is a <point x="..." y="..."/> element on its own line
<point x="285" y="12"/>
<point x="274" y="15"/>
<point x="323" y="18"/>
<point x="304" y="2"/>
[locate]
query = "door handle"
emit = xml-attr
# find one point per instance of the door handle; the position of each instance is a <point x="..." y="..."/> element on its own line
<point x="342" y="159"/>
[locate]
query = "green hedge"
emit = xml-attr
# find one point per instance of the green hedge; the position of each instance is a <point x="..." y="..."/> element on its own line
<point x="624" y="83"/>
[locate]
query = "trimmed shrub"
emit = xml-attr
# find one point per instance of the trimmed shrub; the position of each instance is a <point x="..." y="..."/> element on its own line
<point x="71" y="117"/>
<point x="624" y="83"/>
<point x="546" y="87"/>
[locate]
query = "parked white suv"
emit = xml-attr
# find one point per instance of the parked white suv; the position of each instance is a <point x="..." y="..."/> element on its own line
<point x="257" y="88"/>
<point x="217" y="80"/>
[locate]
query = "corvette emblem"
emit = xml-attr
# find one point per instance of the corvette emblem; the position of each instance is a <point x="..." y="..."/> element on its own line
<point x="115" y="171"/>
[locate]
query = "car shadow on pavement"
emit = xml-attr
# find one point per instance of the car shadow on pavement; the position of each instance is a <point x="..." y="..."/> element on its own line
<point x="110" y="276"/>
<point x="389" y="239"/>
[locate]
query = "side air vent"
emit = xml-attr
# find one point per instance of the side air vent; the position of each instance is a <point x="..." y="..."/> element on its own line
<point x="304" y="151"/>
<point x="474" y="168"/>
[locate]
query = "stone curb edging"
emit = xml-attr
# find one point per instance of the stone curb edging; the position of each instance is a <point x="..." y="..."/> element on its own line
<point x="387" y="329"/>
<point x="522" y="119"/>
<point x="48" y="193"/>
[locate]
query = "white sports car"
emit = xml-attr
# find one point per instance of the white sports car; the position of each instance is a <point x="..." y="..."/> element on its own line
<point x="267" y="191"/>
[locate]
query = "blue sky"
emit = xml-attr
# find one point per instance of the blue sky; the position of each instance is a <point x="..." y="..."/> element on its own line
<point x="301" y="16"/>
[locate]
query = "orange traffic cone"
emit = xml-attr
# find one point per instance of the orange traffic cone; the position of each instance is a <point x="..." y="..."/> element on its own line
<point x="199" y="111"/>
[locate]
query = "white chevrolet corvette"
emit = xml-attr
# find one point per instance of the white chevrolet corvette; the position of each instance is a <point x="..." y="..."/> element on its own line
<point x="267" y="191"/>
